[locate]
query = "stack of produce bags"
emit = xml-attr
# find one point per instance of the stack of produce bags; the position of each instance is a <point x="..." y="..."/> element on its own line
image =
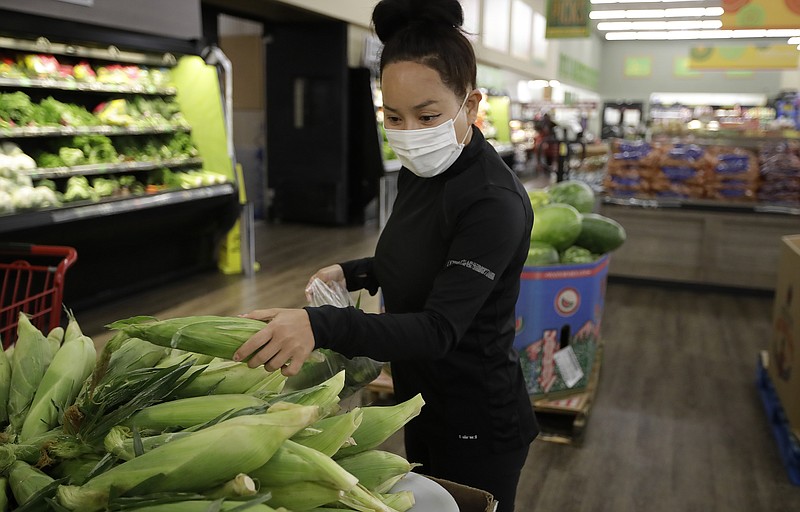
<point x="163" y="420"/>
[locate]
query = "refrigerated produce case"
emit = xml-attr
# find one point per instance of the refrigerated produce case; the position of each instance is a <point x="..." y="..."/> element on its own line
<point x="124" y="151"/>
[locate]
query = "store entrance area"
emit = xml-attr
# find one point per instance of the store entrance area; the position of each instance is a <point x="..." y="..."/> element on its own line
<point x="676" y="423"/>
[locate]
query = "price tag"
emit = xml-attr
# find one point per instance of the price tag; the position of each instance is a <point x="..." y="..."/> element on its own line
<point x="568" y="366"/>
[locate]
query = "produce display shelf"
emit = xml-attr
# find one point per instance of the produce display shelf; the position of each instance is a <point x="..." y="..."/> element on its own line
<point x="111" y="206"/>
<point x="66" y="131"/>
<point x="44" y="45"/>
<point x="70" y="85"/>
<point x="788" y="443"/>
<point x="704" y="204"/>
<point x="96" y="169"/>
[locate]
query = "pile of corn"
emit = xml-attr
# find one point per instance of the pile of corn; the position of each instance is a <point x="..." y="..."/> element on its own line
<point x="163" y="420"/>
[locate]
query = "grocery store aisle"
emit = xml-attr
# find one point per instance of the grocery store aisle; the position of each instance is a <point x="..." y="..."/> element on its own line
<point x="677" y="423"/>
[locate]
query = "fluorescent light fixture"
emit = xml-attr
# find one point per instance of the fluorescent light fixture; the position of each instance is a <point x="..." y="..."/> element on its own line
<point x="600" y="2"/>
<point x="658" y="25"/>
<point x="554" y="83"/>
<point x="691" y="12"/>
<point x="667" y="35"/>
<point x="793" y="40"/>
<point x="537" y="83"/>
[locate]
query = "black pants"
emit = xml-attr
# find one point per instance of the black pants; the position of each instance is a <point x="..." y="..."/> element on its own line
<point x="496" y="473"/>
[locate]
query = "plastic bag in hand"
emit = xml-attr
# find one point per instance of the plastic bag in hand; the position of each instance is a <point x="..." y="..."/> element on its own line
<point x="323" y="364"/>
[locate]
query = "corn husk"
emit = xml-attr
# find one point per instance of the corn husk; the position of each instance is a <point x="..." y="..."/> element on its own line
<point x="216" y="336"/>
<point x="294" y="462"/>
<point x="26" y="481"/>
<point x="31" y="359"/>
<point x="376" y="470"/>
<point x="188" y="412"/>
<point x="5" y="387"/>
<point x="221" y="377"/>
<point x="240" y="486"/>
<point x="121" y="443"/>
<point x="301" y="496"/>
<point x="205" y="506"/>
<point x="330" y="434"/>
<point x="4" y="490"/>
<point x="54" y="339"/>
<point x="59" y="387"/>
<point x="206" y="459"/>
<point x="381" y="422"/>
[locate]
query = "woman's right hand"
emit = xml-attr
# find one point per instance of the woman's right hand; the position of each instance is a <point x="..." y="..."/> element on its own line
<point x="327" y="275"/>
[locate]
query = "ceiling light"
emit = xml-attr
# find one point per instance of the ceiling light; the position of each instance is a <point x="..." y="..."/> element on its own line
<point x="598" y="2"/>
<point x="700" y="34"/>
<point x="793" y="40"/>
<point x="554" y="83"/>
<point x="699" y="12"/>
<point x="658" y="25"/>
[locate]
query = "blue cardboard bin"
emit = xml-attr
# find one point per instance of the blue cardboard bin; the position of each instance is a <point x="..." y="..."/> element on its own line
<point x="559" y="305"/>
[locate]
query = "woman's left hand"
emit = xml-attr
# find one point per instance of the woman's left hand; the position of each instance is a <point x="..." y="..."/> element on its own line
<point x="285" y="343"/>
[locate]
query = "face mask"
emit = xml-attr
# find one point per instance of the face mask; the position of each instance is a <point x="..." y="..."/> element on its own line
<point x="427" y="152"/>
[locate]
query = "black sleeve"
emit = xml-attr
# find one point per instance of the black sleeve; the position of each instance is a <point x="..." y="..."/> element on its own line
<point x="359" y="275"/>
<point x="486" y="239"/>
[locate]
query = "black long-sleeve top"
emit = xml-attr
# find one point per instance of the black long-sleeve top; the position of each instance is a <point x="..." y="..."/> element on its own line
<point x="448" y="264"/>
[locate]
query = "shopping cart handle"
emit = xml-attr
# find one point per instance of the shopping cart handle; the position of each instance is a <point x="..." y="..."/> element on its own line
<point x="24" y="249"/>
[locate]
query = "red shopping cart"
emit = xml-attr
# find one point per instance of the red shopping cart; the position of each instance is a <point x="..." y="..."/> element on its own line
<point x="32" y="282"/>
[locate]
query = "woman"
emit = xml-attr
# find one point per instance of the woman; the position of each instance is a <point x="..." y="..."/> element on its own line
<point x="448" y="263"/>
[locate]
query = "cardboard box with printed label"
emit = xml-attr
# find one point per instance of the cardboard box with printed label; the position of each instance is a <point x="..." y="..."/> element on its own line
<point x="559" y="307"/>
<point x="784" y="349"/>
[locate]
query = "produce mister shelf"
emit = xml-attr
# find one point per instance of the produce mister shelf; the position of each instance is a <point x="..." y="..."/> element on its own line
<point x="100" y="144"/>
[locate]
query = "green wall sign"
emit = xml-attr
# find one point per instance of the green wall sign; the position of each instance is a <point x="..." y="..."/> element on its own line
<point x="576" y="71"/>
<point x="567" y="18"/>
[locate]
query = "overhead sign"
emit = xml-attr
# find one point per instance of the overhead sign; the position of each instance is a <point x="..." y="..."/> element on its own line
<point x="567" y="18"/>
<point x="760" y="14"/>
<point x="744" y="57"/>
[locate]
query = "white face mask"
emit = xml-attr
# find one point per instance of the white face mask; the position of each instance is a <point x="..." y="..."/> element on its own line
<point x="428" y="152"/>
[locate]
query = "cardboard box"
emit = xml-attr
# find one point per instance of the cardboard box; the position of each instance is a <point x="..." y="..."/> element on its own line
<point x="784" y="348"/>
<point x="468" y="498"/>
<point x="559" y="305"/>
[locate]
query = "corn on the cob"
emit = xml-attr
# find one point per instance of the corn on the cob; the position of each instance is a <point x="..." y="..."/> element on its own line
<point x="54" y="339"/>
<point x="269" y="386"/>
<point x="76" y="470"/>
<point x="205" y="459"/>
<point x="302" y="496"/>
<point x="120" y="443"/>
<point x="3" y="494"/>
<point x="240" y="486"/>
<point x="31" y="358"/>
<point x="25" y="481"/>
<point x="325" y="394"/>
<point x="59" y="387"/>
<point x="294" y="462"/>
<point x="9" y="351"/>
<point x="330" y="434"/>
<point x="360" y="498"/>
<point x="211" y="335"/>
<point x="188" y="412"/>
<point x="73" y="330"/>
<point x="400" y="501"/>
<point x="376" y="470"/>
<point x="224" y="377"/>
<point x="379" y="423"/>
<point x="5" y="386"/>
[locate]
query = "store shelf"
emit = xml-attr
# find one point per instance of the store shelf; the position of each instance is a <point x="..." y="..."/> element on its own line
<point x="115" y="206"/>
<point x="97" y="169"/>
<point x="70" y="85"/>
<point x="703" y="204"/>
<point x="69" y="131"/>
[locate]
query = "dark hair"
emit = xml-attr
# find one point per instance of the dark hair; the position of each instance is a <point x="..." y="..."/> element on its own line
<point x="427" y="32"/>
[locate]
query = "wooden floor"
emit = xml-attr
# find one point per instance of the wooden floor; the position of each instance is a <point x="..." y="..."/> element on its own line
<point x="677" y="424"/>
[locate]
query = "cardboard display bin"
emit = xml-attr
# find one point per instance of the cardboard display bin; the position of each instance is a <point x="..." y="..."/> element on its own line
<point x="468" y="498"/>
<point x="559" y="305"/>
<point x="784" y="349"/>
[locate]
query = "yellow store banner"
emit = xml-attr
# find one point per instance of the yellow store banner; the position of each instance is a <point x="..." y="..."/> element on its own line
<point x="745" y="57"/>
<point x="761" y="14"/>
<point x="567" y="18"/>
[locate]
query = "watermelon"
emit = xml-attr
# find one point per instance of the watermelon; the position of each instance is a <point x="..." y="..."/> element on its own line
<point x="600" y="234"/>
<point x="540" y="254"/>
<point x="556" y="224"/>
<point x="574" y="193"/>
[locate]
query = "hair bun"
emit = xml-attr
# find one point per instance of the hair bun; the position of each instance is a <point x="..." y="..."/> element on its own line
<point x="392" y="16"/>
